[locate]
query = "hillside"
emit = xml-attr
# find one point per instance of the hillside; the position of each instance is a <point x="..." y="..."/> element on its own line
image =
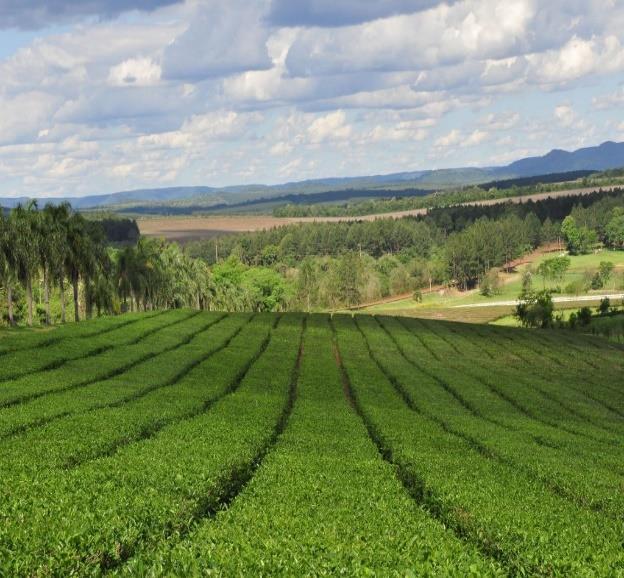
<point x="187" y="443"/>
<point x="609" y="155"/>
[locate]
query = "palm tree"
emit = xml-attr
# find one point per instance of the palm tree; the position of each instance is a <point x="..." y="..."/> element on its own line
<point x="104" y="284"/>
<point x="76" y="256"/>
<point x="26" y="230"/>
<point x="51" y="250"/>
<point x="7" y="264"/>
<point x="96" y="266"/>
<point x="57" y="220"/>
<point x="124" y="265"/>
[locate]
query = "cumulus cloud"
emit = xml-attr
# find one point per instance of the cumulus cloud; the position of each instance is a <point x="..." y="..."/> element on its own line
<point x="476" y="137"/>
<point x="221" y="39"/>
<point x="135" y="72"/>
<point x="450" y="139"/>
<point x="403" y="130"/>
<point x="330" y="127"/>
<point x="332" y="13"/>
<point x="501" y="121"/>
<point x="608" y="101"/>
<point x="257" y="91"/>
<point x="578" y="58"/>
<point x="457" y="138"/>
<point x="565" y="115"/>
<point x="33" y="14"/>
<point x="24" y="117"/>
<point x="441" y="36"/>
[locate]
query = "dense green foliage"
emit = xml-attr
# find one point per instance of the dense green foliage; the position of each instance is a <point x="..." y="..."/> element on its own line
<point x="44" y="255"/>
<point x="337" y="264"/>
<point x="609" y="326"/>
<point x="188" y="443"/>
<point x="43" y="251"/>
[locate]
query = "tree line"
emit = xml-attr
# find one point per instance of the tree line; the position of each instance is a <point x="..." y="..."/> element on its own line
<point x="55" y="262"/>
<point x="56" y="251"/>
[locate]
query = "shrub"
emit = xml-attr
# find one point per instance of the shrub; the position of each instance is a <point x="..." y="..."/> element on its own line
<point x="584" y="316"/>
<point x="536" y="310"/>
<point x="605" y="305"/>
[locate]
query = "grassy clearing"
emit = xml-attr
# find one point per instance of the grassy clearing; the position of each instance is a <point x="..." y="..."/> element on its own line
<point x="440" y="305"/>
<point x="303" y="445"/>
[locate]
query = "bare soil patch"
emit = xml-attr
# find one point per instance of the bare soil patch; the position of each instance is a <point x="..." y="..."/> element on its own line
<point x="184" y="229"/>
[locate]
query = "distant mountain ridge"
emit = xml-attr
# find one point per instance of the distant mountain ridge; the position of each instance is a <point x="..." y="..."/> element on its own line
<point x="608" y="155"/>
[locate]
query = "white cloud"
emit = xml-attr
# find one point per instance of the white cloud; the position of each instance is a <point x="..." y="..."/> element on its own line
<point x="457" y="138"/>
<point x="221" y="39"/>
<point x="450" y="139"/>
<point x="210" y="92"/>
<point x="281" y="148"/>
<point x="565" y="115"/>
<point x="135" y="72"/>
<point x="330" y="127"/>
<point x="440" y="36"/>
<point x="408" y="130"/>
<point x="608" y="101"/>
<point x="475" y="138"/>
<point x="501" y="121"/>
<point x="25" y="117"/>
<point x="577" y="58"/>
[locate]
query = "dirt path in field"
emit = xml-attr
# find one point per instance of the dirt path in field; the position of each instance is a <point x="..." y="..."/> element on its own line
<point x="512" y="303"/>
<point x="194" y="228"/>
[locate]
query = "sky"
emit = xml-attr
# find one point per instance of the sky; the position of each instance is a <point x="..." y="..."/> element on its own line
<point x="98" y="96"/>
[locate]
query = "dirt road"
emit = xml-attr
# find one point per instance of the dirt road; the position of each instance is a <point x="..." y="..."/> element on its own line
<point x="514" y="302"/>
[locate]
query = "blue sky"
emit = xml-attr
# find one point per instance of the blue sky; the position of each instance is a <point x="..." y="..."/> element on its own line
<point x="98" y="96"/>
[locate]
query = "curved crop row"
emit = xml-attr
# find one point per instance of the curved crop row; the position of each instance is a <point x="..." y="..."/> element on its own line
<point x="28" y="339"/>
<point x="596" y="404"/>
<point x="547" y="426"/>
<point x="533" y="400"/>
<point x="324" y="486"/>
<point x="525" y="527"/>
<point x="26" y="363"/>
<point x="111" y="363"/>
<point x="174" y="386"/>
<point x="94" y="517"/>
<point x="597" y="488"/>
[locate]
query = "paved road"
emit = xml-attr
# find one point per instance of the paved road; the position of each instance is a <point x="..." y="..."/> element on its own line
<point x="615" y="296"/>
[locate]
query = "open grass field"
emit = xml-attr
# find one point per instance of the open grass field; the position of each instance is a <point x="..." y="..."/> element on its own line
<point x="472" y="307"/>
<point x="185" y="443"/>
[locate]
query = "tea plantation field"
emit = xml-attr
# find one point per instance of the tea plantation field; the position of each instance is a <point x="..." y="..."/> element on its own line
<point x="184" y="443"/>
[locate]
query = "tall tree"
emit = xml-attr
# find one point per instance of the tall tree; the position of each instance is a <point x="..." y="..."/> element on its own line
<point x="59" y="216"/>
<point x="26" y="233"/>
<point x="76" y="256"/>
<point x="7" y="263"/>
<point x="51" y="248"/>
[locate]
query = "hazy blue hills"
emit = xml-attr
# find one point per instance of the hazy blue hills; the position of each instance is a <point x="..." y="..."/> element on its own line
<point x="609" y="155"/>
